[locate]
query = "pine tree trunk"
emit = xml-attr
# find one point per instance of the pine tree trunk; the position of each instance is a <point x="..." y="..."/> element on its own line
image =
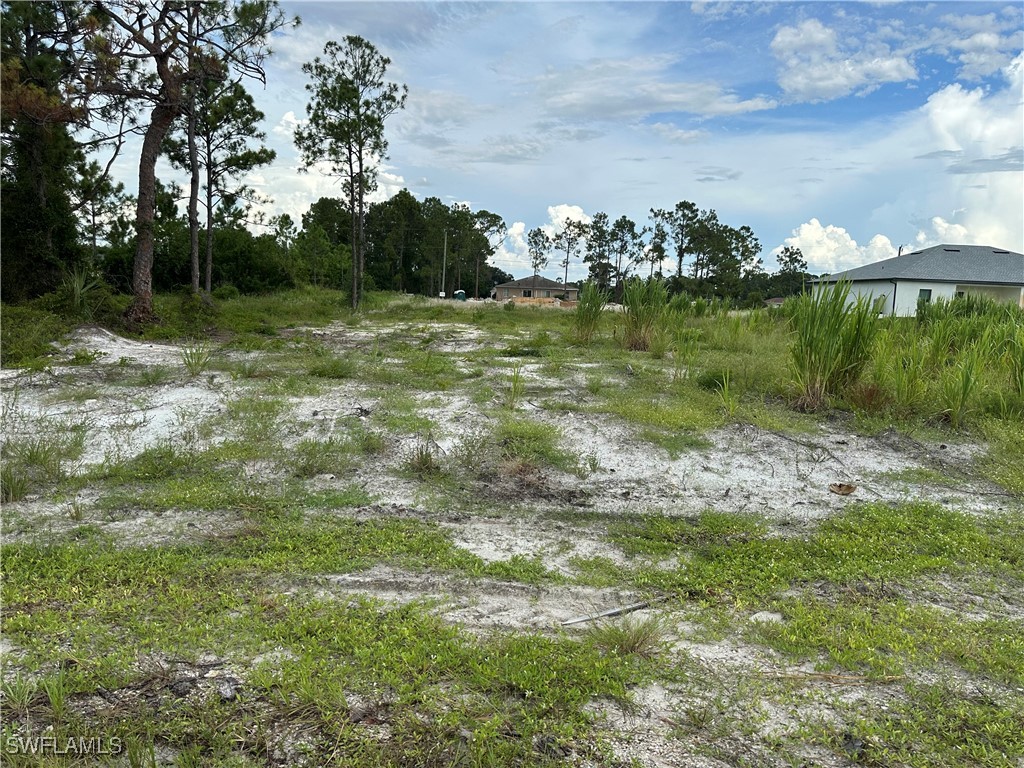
<point x="193" y="197"/>
<point x="209" y="224"/>
<point x="141" y="309"/>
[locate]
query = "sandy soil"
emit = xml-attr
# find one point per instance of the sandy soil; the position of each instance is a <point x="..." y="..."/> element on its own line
<point x="783" y="478"/>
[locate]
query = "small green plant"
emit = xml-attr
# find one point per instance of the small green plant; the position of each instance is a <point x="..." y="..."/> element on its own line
<point x="516" y="387"/>
<point x="150" y="376"/>
<point x="57" y="689"/>
<point x="685" y="342"/>
<point x="630" y="636"/>
<point x="423" y="463"/>
<point x="730" y="399"/>
<point x="14" y="483"/>
<point x="18" y="693"/>
<point x="957" y="387"/>
<point x="82" y="292"/>
<point x="196" y="356"/>
<point x="334" y="368"/>
<point x="1014" y="357"/>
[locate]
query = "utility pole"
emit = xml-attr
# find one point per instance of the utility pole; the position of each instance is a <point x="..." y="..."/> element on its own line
<point x="444" y="262"/>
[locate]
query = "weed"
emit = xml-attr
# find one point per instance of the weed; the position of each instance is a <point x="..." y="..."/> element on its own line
<point x="630" y="636"/>
<point x="150" y="376"/>
<point x="27" y="335"/>
<point x="645" y="303"/>
<point x="516" y="387"/>
<point x="14" y="483"/>
<point x="196" y="356"/>
<point x="57" y="689"/>
<point x="334" y="368"/>
<point x="311" y="458"/>
<point x="730" y="400"/>
<point x="833" y="342"/>
<point x="958" y="385"/>
<point x="423" y="463"/>
<point x="18" y="694"/>
<point x="588" y="313"/>
<point x="534" y="443"/>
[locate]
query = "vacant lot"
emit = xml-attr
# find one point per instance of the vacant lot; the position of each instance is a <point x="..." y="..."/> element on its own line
<point x="365" y="543"/>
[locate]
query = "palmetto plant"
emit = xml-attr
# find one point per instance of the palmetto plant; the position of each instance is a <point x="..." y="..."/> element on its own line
<point x="196" y="357"/>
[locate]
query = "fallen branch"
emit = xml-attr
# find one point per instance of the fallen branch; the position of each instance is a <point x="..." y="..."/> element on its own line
<point x="620" y="611"/>
<point x="838" y="679"/>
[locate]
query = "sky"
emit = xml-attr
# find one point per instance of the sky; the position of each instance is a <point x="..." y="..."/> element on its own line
<point x="845" y="129"/>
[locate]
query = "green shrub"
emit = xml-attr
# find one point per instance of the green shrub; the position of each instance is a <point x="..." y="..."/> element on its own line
<point x="226" y="292"/>
<point x="28" y="334"/>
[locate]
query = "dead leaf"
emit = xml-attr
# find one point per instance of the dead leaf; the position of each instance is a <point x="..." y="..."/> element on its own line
<point x="843" y="489"/>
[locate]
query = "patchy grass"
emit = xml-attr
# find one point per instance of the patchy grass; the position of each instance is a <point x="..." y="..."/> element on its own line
<point x="243" y="646"/>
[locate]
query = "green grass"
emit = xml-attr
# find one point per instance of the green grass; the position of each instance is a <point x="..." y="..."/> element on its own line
<point x="937" y="725"/>
<point x="886" y="595"/>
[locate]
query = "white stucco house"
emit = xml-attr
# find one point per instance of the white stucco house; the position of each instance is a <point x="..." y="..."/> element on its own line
<point x="943" y="271"/>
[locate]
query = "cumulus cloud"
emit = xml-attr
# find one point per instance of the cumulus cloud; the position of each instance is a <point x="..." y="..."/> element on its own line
<point x="287" y="124"/>
<point x="513" y="254"/>
<point x="979" y="133"/>
<point x="562" y="213"/>
<point x="940" y="231"/>
<point x="830" y="249"/>
<point x="816" y="68"/>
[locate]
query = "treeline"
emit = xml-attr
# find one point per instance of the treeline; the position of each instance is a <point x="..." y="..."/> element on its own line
<point x="711" y="258"/>
<point x="410" y="245"/>
<point x="80" y="80"/>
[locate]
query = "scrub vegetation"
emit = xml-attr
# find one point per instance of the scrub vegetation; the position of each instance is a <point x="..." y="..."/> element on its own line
<point x="300" y="565"/>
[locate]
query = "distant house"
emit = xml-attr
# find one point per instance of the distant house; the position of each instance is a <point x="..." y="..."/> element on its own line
<point x="940" y="272"/>
<point x="536" y="287"/>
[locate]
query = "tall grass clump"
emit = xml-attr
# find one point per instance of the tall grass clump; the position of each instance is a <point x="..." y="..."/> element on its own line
<point x="645" y="302"/>
<point x="958" y="385"/>
<point x="587" y="318"/>
<point x="1014" y="356"/>
<point x="833" y="343"/>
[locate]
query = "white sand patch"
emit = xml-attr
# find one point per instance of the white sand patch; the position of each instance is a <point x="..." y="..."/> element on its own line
<point x="478" y="603"/>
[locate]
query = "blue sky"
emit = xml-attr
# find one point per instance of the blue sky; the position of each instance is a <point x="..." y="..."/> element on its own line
<point x="847" y="129"/>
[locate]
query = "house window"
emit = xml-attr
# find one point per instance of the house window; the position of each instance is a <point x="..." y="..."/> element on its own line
<point x="547" y="294"/>
<point x="506" y="292"/>
<point x="925" y="295"/>
<point x="527" y="294"/>
<point x="959" y="294"/>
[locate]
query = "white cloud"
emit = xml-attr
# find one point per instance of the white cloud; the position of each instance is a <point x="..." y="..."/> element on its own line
<point x="562" y="213"/>
<point x="830" y="249"/>
<point x="513" y="254"/>
<point x="287" y="124"/>
<point x="941" y="231"/>
<point x="981" y="133"/>
<point x="677" y="135"/>
<point x="816" y="68"/>
<point x="633" y="88"/>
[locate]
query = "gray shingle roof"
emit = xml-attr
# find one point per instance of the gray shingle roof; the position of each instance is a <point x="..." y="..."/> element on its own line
<point x="542" y="282"/>
<point x="944" y="264"/>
